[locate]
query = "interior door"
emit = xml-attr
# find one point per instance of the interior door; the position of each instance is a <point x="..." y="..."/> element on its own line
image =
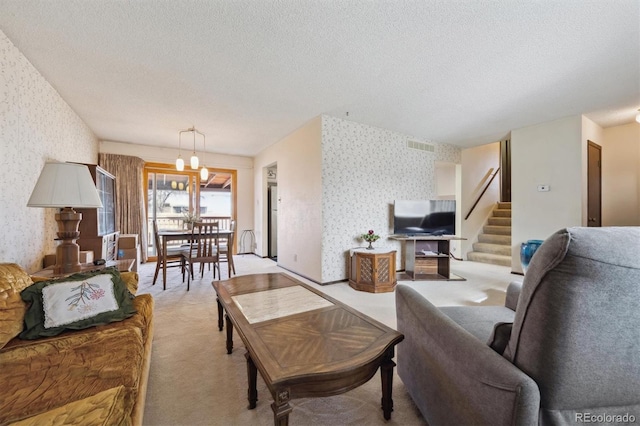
<point x="273" y="221"/>
<point x="505" y="170"/>
<point x="594" y="184"/>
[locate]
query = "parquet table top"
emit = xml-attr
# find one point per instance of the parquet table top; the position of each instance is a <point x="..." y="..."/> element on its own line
<point x="303" y="342"/>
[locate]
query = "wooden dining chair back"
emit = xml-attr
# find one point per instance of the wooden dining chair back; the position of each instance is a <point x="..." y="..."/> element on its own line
<point x="204" y="249"/>
<point x="226" y="249"/>
<point x="174" y="256"/>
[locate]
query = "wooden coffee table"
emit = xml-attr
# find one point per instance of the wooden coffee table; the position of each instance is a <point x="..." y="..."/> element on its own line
<point x="303" y="343"/>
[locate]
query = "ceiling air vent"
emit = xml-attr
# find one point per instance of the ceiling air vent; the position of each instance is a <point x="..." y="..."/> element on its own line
<point x="420" y="146"/>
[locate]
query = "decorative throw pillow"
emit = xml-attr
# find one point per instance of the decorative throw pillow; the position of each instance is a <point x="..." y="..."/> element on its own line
<point x="80" y="301"/>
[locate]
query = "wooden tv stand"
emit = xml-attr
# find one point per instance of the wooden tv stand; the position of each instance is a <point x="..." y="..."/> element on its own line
<point x="427" y="257"/>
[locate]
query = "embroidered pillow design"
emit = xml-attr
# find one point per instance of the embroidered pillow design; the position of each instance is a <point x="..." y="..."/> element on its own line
<point x="68" y="302"/>
<point x="80" y="301"/>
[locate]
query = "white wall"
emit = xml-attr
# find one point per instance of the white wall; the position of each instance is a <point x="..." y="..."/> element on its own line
<point x="243" y="166"/>
<point x="448" y="178"/>
<point x="621" y="175"/>
<point x="298" y="158"/>
<point x="477" y="162"/>
<point x="364" y="169"/>
<point x="36" y="125"/>
<point x="553" y="154"/>
<point x="445" y="180"/>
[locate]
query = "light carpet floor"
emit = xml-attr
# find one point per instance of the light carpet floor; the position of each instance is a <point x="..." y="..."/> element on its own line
<point x="193" y="381"/>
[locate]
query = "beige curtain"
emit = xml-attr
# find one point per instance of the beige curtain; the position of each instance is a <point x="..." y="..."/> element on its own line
<point x="130" y="202"/>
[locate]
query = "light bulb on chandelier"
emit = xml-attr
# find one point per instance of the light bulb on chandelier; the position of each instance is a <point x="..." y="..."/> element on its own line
<point x="204" y="173"/>
<point x="638" y="116"/>
<point x="194" y="161"/>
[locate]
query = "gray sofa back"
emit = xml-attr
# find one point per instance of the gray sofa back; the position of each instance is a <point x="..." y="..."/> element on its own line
<point x="577" y="326"/>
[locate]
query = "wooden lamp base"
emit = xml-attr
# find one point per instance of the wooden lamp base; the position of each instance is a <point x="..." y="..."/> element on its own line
<point x="68" y="252"/>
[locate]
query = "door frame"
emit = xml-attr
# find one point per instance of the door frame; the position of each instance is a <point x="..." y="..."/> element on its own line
<point x="269" y="176"/>
<point x="505" y="170"/>
<point x="270" y="233"/>
<point x="591" y="144"/>
<point x="152" y="167"/>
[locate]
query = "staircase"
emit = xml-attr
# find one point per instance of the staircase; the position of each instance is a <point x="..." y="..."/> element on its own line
<point x="494" y="243"/>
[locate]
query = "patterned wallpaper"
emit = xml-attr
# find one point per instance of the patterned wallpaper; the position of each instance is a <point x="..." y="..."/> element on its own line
<point x="364" y="169"/>
<point x="36" y="125"/>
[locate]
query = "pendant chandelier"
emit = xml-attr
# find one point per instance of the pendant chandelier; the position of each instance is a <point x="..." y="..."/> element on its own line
<point x="194" y="161"/>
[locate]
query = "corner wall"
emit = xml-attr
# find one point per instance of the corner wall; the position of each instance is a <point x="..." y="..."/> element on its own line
<point x="476" y="163"/>
<point x="36" y="125"/>
<point x="298" y="158"/>
<point x="364" y="169"/>
<point x="621" y="175"/>
<point x="553" y="154"/>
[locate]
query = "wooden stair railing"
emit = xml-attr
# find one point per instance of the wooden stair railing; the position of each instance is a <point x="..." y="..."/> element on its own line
<point x="482" y="193"/>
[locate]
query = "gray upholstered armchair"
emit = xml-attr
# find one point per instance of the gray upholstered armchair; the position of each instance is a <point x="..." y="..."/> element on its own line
<point x="569" y="354"/>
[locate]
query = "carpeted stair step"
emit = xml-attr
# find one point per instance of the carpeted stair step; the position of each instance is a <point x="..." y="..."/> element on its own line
<point x="494" y="259"/>
<point x="495" y="229"/>
<point x="494" y="243"/>
<point x="499" y="221"/>
<point x="502" y="213"/>
<point x="495" y="239"/>
<point x="492" y="249"/>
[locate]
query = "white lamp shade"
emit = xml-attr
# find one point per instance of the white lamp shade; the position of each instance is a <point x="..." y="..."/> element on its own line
<point x="194" y="162"/>
<point x="179" y="164"/>
<point x="65" y="185"/>
<point x="204" y="173"/>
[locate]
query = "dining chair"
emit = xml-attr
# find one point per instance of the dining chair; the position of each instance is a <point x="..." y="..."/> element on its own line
<point x="175" y="255"/>
<point x="226" y="249"/>
<point x="204" y="249"/>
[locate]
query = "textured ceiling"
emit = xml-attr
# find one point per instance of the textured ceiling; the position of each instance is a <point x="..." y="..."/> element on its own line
<point x="247" y="73"/>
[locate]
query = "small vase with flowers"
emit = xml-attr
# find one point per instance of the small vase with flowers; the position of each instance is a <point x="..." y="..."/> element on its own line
<point x="370" y="237"/>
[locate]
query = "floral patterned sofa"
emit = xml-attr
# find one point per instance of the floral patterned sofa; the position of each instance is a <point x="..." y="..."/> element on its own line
<point x="93" y="375"/>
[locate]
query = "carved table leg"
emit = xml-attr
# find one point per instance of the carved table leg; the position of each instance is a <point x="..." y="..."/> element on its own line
<point x="229" y="334"/>
<point x="386" y="374"/>
<point x="281" y="408"/>
<point x="220" y="315"/>
<point x="252" y="374"/>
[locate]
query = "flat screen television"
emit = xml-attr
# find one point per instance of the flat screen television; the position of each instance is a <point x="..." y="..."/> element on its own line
<point x="424" y="217"/>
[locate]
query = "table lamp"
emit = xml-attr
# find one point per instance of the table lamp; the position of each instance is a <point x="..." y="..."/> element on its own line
<point x="65" y="186"/>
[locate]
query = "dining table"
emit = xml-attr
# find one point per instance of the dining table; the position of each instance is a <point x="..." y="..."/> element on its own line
<point x="167" y="235"/>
